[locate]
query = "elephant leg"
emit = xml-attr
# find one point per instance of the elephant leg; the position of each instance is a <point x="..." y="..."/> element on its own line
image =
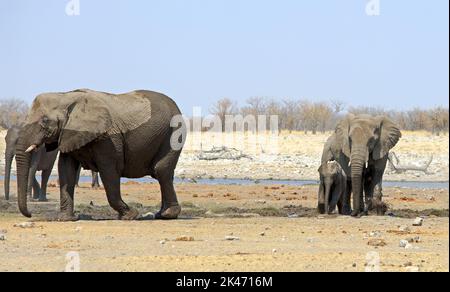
<point x="95" y="183"/>
<point x="376" y="187"/>
<point x="33" y="185"/>
<point x="164" y="173"/>
<point x="111" y="181"/>
<point x="346" y="200"/>
<point x="67" y="167"/>
<point x="321" y="199"/>
<point x="36" y="189"/>
<point x="44" y="182"/>
<point x="335" y="198"/>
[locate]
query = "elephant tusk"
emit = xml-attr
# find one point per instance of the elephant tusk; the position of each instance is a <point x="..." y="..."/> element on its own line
<point x="31" y="148"/>
<point x="350" y="164"/>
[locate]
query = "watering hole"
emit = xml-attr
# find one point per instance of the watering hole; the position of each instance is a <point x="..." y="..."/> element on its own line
<point x="248" y="182"/>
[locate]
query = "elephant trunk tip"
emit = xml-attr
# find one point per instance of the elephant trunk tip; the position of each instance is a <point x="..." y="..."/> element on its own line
<point x="25" y="212"/>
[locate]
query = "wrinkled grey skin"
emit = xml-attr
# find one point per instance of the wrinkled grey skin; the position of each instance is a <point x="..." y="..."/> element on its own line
<point x="40" y="161"/>
<point x="333" y="188"/>
<point x="361" y="145"/>
<point x="126" y="135"/>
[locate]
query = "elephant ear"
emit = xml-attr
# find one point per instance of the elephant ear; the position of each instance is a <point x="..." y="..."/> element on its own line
<point x="88" y="119"/>
<point x="342" y="135"/>
<point x="389" y="136"/>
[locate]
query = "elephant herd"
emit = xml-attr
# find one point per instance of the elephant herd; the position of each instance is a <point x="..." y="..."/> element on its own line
<point x="133" y="135"/>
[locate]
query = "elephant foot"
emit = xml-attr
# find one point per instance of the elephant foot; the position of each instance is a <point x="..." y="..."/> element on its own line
<point x="43" y="199"/>
<point x="130" y="215"/>
<point x="170" y="213"/>
<point x="358" y="213"/>
<point x="321" y="209"/>
<point x="346" y="212"/>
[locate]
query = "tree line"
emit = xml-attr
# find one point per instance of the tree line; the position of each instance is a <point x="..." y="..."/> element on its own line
<point x="313" y="117"/>
<point x="293" y="115"/>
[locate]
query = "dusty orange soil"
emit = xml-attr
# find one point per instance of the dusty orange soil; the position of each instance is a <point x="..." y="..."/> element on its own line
<point x="257" y="215"/>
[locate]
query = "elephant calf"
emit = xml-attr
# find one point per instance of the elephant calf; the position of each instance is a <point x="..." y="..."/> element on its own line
<point x="333" y="188"/>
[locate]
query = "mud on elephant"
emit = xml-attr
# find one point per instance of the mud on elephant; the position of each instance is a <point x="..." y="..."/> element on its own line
<point x="128" y="135"/>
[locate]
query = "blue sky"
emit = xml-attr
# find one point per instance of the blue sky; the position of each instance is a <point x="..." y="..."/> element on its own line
<point x="198" y="51"/>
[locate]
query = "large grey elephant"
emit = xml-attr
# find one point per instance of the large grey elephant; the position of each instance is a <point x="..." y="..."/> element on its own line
<point x="41" y="161"/>
<point x="128" y="135"/>
<point x="361" y="145"/>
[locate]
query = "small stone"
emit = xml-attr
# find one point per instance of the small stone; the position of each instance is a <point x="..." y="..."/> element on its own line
<point x="232" y="238"/>
<point x="2" y="237"/>
<point x="431" y="198"/>
<point x="354" y="265"/>
<point x="274" y="250"/>
<point x="25" y="225"/>
<point x="405" y="244"/>
<point x="78" y="229"/>
<point x="162" y="242"/>
<point x="418" y="222"/>
<point x="262" y="234"/>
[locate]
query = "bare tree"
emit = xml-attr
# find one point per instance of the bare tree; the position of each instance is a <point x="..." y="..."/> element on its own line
<point x="290" y="115"/>
<point x="338" y="105"/>
<point x="223" y="108"/>
<point x="13" y="112"/>
<point x="439" y="120"/>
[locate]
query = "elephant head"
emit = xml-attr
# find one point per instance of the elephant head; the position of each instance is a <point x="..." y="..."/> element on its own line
<point x="362" y="138"/>
<point x="67" y="121"/>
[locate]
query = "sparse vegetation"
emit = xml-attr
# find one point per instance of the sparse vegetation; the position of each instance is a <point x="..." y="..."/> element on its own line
<point x="12" y="112"/>
<point x="307" y="116"/>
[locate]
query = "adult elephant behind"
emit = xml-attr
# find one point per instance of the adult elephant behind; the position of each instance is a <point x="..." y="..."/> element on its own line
<point x="126" y="135"/>
<point x="361" y="144"/>
<point x="40" y="161"/>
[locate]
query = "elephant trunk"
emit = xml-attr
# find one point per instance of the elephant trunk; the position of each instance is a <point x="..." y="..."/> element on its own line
<point x="358" y="161"/>
<point x="9" y="155"/>
<point x="23" y="160"/>
<point x="327" y="196"/>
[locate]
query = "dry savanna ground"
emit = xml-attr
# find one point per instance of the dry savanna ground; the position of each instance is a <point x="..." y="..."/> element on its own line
<point x="229" y="228"/>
